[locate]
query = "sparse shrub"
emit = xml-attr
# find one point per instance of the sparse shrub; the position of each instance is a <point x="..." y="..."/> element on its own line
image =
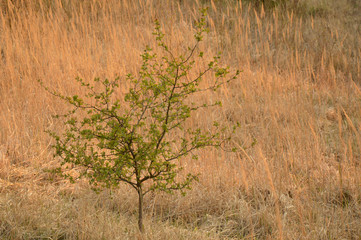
<point x="131" y="141"/>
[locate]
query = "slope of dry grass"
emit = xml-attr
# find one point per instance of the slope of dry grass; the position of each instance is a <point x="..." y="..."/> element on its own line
<point x="298" y="98"/>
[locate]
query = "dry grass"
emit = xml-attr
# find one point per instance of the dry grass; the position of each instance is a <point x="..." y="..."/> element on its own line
<point x="298" y="96"/>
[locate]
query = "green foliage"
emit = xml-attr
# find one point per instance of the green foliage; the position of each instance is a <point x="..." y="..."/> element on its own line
<point x="139" y="140"/>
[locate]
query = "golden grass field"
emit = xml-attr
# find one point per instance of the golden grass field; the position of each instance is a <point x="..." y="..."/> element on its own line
<point x="298" y="97"/>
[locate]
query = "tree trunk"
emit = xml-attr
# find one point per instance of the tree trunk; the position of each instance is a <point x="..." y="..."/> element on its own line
<point x="140" y="210"/>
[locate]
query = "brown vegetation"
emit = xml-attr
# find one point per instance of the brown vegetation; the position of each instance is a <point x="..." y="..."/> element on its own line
<point x="297" y="175"/>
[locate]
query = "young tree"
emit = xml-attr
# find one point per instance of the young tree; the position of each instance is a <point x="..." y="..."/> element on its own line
<point x="139" y="140"/>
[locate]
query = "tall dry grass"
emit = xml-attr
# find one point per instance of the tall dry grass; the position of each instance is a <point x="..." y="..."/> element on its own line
<point x="298" y="100"/>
